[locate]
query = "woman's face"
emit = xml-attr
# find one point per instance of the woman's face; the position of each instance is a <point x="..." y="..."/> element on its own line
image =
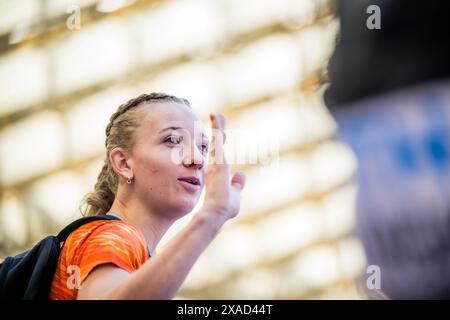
<point x="170" y="149"/>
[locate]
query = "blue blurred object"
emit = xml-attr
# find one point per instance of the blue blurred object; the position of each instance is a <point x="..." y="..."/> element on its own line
<point x="390" y="94"/>
<point x="402" y="143"/>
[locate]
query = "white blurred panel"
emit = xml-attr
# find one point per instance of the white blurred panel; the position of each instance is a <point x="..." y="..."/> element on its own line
<point x="318" y="267"/>
<point x="223" y="257"/>
<point x="15" y="13"/>
<point x="205" y="271"/>
<point x="264" y="68"/>
<point x="240" y="248"/>
<point x="60" y="7"/>
<point x="244" y="16"/>
<point x="31" y="147"/>
<point x="352" y="257"/>
<point x="290" y="230"/>
<point x="256" y="147"/>
<point x="332" y="163"/>
<point x="112" y="5"/>
<point x="339" y="211"/>
<point x="176" y="27"/>
<point x="255" y="284"/>
<point x="87" y="121"/>
<point x="277" y="185"/>
<point x="290" y="283"/>
<point x="59" y="195"/>
<point x="95" y="53"/>
<point x="92" y="171"/>
<point x="197" y="82"/>
<point x="281" y="234"/>
<point x="317" y="44"/>
<point x="23" y="76"/>
<point x="318" y="124"/>
<point x="267" y="127"/>
<point x="12" y="218"/>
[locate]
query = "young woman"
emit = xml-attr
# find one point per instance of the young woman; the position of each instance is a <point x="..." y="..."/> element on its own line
<point x="155" y="169"/>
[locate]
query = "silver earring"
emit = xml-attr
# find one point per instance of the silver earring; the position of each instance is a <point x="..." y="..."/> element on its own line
<point x="129" y="180"/>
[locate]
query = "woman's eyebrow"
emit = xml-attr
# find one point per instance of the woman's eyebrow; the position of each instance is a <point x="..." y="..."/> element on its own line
<point x="204" y="136"/>
<point x="169" y="128"/>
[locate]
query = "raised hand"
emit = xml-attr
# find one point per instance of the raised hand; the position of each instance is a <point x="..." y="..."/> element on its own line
<point x="222" y="195"/>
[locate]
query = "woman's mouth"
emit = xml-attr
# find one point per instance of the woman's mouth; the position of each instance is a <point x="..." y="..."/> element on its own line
<point x="191" y="184"/>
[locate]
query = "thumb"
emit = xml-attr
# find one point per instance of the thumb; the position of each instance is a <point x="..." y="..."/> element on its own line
<point x="238" y="180"/>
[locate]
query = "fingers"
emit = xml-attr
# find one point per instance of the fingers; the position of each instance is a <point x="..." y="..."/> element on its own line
<point x="238" y="180"/>
<point x="218" y="123"/>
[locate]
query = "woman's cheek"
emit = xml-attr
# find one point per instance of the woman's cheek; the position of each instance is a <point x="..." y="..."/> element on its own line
<point x="174" y="156"/>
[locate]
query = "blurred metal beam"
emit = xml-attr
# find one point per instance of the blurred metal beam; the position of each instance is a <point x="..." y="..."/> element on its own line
<point x="216" y="289"/>
<point x="64" y="102"/>
<point x="48" y="29"/>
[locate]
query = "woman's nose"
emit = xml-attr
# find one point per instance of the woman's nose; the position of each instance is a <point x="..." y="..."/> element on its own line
<point x="194" y="158"/>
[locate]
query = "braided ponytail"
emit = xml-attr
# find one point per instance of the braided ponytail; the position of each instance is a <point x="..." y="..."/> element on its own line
<point x="119" y="133"/>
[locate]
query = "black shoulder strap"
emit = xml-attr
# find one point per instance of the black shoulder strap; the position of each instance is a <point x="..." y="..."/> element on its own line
<point x="62" y="236"/>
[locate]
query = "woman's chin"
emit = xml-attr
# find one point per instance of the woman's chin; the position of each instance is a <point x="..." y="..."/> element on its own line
<point x="186" y="206"/>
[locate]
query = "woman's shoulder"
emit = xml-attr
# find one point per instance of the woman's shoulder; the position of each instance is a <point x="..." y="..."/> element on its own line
<point x="97" y="243"/>
<point x="98" y="227"/>
<point x="100" y="233"/>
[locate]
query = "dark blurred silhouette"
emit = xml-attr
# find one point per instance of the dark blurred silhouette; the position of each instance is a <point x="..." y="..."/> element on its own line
<point x="390" y="94"/>
<point x="411" y="47"/>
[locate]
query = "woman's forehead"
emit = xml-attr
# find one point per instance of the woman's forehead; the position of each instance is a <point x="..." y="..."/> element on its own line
<point x="161" y="116"/>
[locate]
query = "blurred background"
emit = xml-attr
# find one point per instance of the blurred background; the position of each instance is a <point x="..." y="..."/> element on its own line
<point x="65" y="67"/>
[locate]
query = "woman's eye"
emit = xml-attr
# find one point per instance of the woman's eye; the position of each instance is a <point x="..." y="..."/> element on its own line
<point x="204" y="148"/>
<point x="174" y="139"/>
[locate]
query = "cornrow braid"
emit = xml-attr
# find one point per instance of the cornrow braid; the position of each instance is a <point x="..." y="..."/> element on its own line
<point x="119" y="133"/>
<point x="152" y="97"/>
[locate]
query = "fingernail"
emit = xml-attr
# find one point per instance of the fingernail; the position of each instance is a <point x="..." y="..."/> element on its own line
<point x="211" y="117"/>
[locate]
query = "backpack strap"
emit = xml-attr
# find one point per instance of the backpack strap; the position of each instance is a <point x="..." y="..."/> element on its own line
<point x="62" y="236"/>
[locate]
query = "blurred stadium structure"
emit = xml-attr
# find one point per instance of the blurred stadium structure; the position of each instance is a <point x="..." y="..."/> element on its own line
<point x="259" y="62"/>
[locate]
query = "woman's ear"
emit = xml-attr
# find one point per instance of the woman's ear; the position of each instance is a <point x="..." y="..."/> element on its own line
<point x="120" y="163"/>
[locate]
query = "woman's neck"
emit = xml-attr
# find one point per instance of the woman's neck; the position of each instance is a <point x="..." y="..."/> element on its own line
<point x="152" y="225"/>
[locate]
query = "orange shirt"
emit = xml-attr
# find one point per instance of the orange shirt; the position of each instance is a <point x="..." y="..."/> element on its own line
<point x="91" y="245"/>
